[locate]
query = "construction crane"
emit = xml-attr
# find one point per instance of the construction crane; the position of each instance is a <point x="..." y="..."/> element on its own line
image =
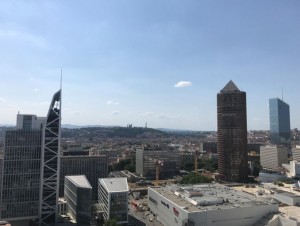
<point x="158" y="164"/>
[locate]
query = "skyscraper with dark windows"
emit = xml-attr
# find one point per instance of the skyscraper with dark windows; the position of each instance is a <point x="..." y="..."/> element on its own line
<point x="50" y="160"/>
<point x="280" y="128"/>
<point x="232" y="133"/>
<point x="21" y="169"/>
<point x="30" y="169"/>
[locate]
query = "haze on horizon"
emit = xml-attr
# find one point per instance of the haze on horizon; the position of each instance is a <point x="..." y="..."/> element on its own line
<point x="160" y="62"/>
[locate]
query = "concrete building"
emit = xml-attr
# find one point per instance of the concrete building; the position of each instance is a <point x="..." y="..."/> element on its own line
<point x="147" y="157"/>
<point x="113" y="195"/>
<point x="280" y="128"/>
<point x="207" y="205"/>
<point x="30" y="168"/>
<point x="272" y="157"/>
<point x="270" y="177"/>
<point x="296" y="153"/>
<point x="293" y="168"/>
<point x="232" y="134"/>
<point x="75" y="149"/>
<point x="93" y="167"/>
<point x="287" y="198"/>
<point x="187" y="158"/>
<point x="78" y="194"/>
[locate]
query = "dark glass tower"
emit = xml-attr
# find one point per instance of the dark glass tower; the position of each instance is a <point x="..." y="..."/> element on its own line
<point x="30" y="169"/>
<point x="280" y="128"/>
<point x="50" y="164"/>
<point x="21" y="173"/>
<point x="232" y="134"/>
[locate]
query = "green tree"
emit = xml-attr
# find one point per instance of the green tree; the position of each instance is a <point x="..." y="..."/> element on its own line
<point x="193" y="178"/>
<point x="111" y="222"/>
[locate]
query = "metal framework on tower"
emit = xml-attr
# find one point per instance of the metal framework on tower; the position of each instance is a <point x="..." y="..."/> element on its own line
<point x="50" y="164"/>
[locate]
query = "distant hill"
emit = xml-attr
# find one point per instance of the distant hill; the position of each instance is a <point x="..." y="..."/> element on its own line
<point x="110" y="132"/>
<point x="71" y="126"/>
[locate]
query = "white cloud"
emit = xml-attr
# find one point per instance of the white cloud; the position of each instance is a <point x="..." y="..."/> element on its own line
<point x="115" y="113"/>
<point x="36" y="90"/>
<point x="2" y="99"/>
<point x="110" y="102"/>
<point x="182" y="84"/>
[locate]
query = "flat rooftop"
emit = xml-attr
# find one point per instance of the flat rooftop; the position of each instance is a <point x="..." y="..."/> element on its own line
<point x="80" y="181"/>
<point x="205" y="197"/>
<point x="115" y="184"/>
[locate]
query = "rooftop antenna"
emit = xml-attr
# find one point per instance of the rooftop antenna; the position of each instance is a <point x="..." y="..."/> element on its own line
<point x="281" y="93"/>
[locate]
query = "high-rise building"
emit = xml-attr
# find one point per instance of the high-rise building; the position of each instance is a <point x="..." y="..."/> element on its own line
<point x="31" y="167"/>
<point x="147" y="157"/>
<point x="93" y="167"/>
<point x="78" y="194"/>
<point x="113" y="198"/>
<point x="280" y="128"/>
<point x="232" y="133"/>
<point x="50" y="160"/>
<point x="21" y="169"/>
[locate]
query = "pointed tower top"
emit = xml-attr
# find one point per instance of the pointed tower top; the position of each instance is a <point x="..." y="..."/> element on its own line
<point x="230" y="87"/>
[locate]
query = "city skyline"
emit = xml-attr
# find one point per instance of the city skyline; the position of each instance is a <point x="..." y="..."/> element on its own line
<point x="136" y="62"/>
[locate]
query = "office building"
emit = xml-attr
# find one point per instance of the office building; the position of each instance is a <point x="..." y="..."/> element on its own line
<point x="187" y="158"/>
<point x="30" y="168"/>
<point x="93" y="167"/>
<point x="272" y="157"/>
<point x="75" y="149"/>
<point x="78" y="194"/>
<point x="296" y="153"/>
<point x="50" y="160"/>
<point x="21" y="169"/>
<point x="207" y="205"/>
<point x="280" y="128"/>
<point x="113" y="196"/>
<point x="147" y="158"/>
<point x="232" y="134"/>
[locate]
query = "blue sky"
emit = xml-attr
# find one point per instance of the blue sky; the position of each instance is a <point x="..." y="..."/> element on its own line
<point x="122" y="59"/>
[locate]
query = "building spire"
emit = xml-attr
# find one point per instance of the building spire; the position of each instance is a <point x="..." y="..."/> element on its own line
<point x="60" y="78"/>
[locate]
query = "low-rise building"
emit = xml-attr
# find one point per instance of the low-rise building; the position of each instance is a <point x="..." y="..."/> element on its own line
<point x="207" y="205"/>
<point x="270" y="177"/>
<point x="287" y="198"/>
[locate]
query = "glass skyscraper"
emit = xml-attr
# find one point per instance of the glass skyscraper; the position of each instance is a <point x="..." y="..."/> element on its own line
<point x="280" y="129"/>
<point x="21" y="172"/>
<point x="30" y="169"/>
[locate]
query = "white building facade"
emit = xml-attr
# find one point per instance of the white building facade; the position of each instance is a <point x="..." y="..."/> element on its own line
<point x="207" y="205"/>
<point x="113" y="197"/>
<point x="272" y="157"/>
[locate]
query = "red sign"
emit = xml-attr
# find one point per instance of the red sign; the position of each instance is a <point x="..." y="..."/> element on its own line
<point x="176" y="212"/>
